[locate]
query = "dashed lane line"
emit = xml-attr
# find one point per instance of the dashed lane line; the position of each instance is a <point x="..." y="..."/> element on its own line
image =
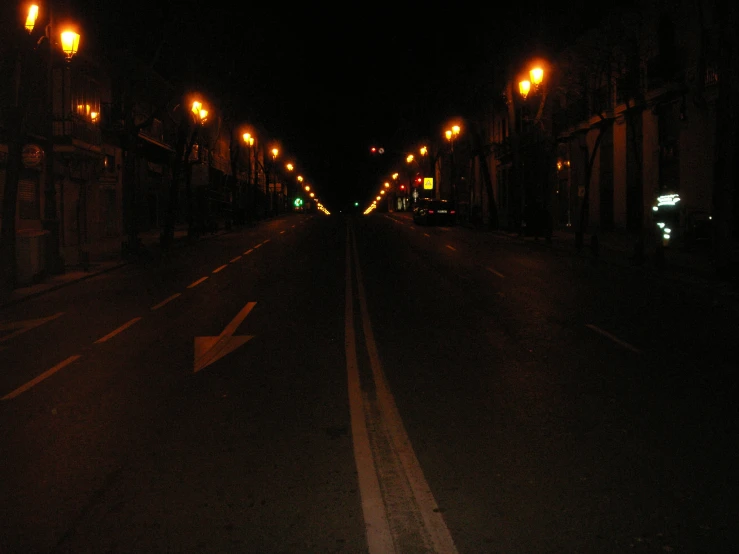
<point x="196" y="283"/>
<point x="46" y="374"/>
<point x="498" y="273"/>
<point x="117" y="331"/>
<point x="224" y="266"/>
<point x="166" y="301"/>
<point x="236" y="259"/>
<point x="614" y="338"/>
<point x="450" y="247"/>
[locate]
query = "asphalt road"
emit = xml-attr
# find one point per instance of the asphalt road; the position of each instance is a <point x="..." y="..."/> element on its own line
<point x="342" y="384"/>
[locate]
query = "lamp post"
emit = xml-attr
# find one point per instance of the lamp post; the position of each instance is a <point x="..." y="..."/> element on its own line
<point x="199" y="116"/>
<point x="284" y="189"/>
<point x="249" y="142"/>
<point x="535" y="210"/>
<point x="272" y="204"/>
<point x="450" y="135"/>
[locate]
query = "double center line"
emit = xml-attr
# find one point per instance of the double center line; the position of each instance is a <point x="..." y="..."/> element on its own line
<point x="400" y="512"/>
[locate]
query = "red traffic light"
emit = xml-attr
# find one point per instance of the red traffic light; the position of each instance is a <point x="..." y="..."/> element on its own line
<point x="402" y="187"/>
<point x="419" y="180"/>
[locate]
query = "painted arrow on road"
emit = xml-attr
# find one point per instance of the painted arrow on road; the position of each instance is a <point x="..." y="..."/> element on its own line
<point x="210" y="349"/>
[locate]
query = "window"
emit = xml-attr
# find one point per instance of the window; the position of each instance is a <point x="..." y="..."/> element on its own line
<point x="85" y="97"/>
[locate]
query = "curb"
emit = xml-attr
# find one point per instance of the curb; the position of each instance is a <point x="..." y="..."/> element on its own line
<point x="21" y="297"/>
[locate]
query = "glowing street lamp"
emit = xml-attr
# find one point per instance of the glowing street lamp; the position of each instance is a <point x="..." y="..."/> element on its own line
<point x="536" y="76"/>
<point x="31" y="17"/>
<point x="201" y="114"/>
<point x="70" y="43"/>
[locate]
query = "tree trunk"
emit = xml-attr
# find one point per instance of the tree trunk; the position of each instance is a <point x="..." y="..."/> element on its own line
<point x="479" y="150"/>
<point x="584" y="206"/>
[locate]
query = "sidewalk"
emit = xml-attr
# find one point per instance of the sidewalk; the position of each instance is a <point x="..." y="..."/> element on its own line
<point x="75" y="273"/>
<point x="618" y="248"/>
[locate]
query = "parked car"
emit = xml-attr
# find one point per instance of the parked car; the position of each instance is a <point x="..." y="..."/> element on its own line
<point x="429" y="211"/>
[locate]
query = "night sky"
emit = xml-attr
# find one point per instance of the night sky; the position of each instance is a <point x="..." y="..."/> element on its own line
<point x="327" y="81"/>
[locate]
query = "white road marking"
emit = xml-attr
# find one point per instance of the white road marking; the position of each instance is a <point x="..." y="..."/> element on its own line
<point x="209" y="349"/>
<point x="426" y="235"/>
<point x="407" y="510"/>
<point x="450" y="247"/>
<point x="265" y="241"/>
<point x="196" y="283"/>
<point x="166" y="301"/>
<point x="116" y="331"/>
<point x="44" y="375"/>
<point x="613" y="338"/>
<point x="236" y="259"/>
<point x="248" y="251"/>
<point x="377" y="528"/>
<point x="281" y="232"/>
<point x="257" y="246"/>
<point x="20" y="327"/>
<point x="216" y="270"/>
<point x="491" y="270"/>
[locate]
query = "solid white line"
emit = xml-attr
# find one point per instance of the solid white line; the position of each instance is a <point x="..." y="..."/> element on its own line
<point x="491" y="270"/>
<point x="236" y="259"/>
<point x="44" y="375"/>
<point x="613" y="338"/>
<point x="167" y="301"/>
<point x="119" y="330"/>
<point x="248" y="251"/>
<point x="377" y="528"/>
<point x="196" y="283"/>
<point x="220" y="268"/>
<point x="435" y="534"/>
<point x="451" y="247"/>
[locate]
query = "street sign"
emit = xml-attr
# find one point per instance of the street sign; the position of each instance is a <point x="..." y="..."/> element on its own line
<point x="428" y="183"/>
<point x="32" y="155"/>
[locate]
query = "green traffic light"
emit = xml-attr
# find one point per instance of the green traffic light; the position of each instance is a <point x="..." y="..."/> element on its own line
<point x="356" y="203"/>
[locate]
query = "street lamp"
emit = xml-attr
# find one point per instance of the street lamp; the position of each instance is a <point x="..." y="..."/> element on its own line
<point x="450" y="135"/>
<point x="70" y="43"/>
<point x="536" y="76"/>
<point x="273" y="204"/>
<point x="535" y="201"/>
<point x="31" y="17"/>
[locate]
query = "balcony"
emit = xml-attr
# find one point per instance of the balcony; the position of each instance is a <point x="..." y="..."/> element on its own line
<point x="77" y="128"/>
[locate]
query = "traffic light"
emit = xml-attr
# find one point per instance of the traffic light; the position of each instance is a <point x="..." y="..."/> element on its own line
<point x="419" y="180"/>
<point x="356" y="204"/>
<point x="402" y="187"/>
